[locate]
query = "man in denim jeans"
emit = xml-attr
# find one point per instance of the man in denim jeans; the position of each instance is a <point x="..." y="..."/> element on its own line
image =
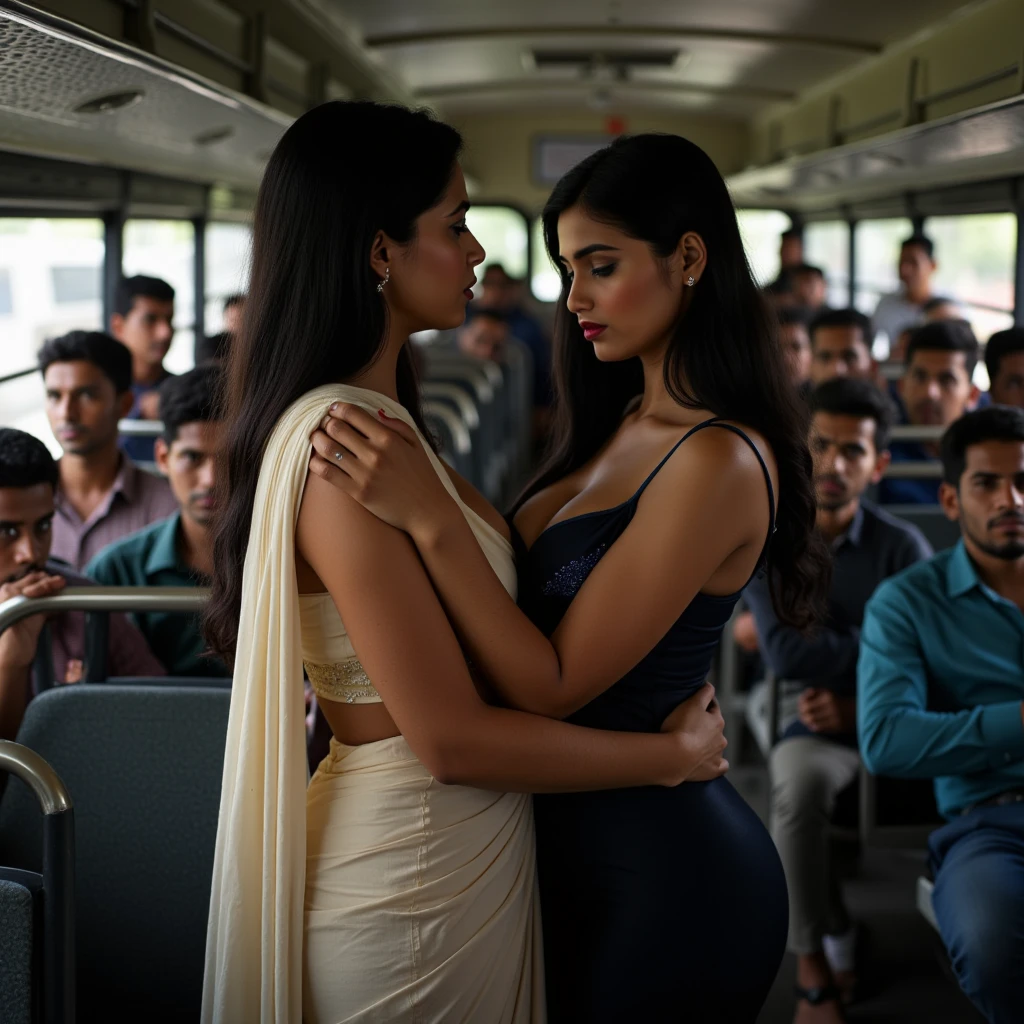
<point x="941" y="695"/>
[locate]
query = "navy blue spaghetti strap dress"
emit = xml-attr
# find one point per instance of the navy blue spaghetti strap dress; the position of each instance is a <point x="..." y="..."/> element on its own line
<point x="658" y="904"/>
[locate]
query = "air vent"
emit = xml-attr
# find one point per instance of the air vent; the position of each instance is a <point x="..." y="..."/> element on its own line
<point x="619" y="62"/>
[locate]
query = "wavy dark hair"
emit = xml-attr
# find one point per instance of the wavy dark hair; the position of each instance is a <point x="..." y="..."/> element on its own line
<point x="724" y="354"/>
<point x="341" y="173"/>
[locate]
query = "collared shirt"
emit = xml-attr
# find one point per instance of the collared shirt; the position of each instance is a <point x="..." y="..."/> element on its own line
<point x="127" y="652"/>
<point x="941" y="680"/>
<point x="915" y="490"/>
<point x="875" y="547"/>
<point x="151" y="558"/>
<point x="894" y="314"/>
<point x="135" y="500"/>
<point x="141" y="448"/>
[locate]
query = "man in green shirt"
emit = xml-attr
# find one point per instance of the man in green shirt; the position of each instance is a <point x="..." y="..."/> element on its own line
<point x="178" y="551"/>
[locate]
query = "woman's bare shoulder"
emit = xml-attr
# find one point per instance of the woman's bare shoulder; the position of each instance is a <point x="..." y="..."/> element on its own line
<point x="477" y="502"/>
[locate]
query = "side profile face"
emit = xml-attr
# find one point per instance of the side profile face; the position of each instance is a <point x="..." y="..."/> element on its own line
<point x="796" y="345"/>
<point x="190" y="465"/>
<point x="147" y="329"/>
<point x="432" y="276"/>
<point x="845" y="458"/>
<point x="840" y="352"/>
<point x="483" y="337"/>
<point x="916" y="269"/>
<point x="26" y="521"/>
<point x="83" y="406"/>
<point x="989" y="500"/>
<point x="626" y="300"/>
<point x="1008" y="386"/>
<point x="936" y="388"/>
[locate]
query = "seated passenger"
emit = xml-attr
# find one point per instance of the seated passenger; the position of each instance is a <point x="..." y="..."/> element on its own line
<point x="841" y="346"/>
<point x="216" y="346"/>
<point x="143" y="321"/>
<point x="178" y="551"/>
<point x="817" y="756"/>
<point x="1004" y="360"/>
<point x="484" y="336"/>
<point x="28" y="479"/>
<point x="905" y="308"/>
<point x="791" y="255"/>
<point x="941" y="695"/>
<point x="809" y="286"/>
<point x="101" y="495"/>
<point x="796" y="344"/>
<point x="936" y="390"/>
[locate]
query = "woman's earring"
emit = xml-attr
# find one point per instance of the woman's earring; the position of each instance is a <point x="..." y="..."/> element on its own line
<point x="387" y="277"/>
<point x="690" y="281"/>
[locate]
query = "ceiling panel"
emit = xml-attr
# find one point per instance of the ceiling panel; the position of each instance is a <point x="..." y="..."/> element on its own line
<point x="739" y="56"/>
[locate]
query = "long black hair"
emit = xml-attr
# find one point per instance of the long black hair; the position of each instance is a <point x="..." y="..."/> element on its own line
<point x="341" y="173"/>
<point x="724" y="354"/>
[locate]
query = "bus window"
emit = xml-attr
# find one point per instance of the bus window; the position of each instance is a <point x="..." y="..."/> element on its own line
<point x="51" y="273"/>
<point x="878" y="259"/>
<point x="827" y="245"/>
<point x="975" y="256"/>
<point x="761" y="231"/>
<point x="502" y="232"/>
<point x="166" y="249"/>
<point x="227" y="268"/>
<point x="546" y="282"/>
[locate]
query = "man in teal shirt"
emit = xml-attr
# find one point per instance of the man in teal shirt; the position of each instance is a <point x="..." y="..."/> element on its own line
<point x="178" y="551"/>
<point x="941" y="695"/>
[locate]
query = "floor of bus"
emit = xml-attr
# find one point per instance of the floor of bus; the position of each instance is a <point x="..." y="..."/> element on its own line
<point x="908" y="984"/>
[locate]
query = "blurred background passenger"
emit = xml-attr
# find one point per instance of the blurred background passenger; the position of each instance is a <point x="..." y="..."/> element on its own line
<point x="841" y="346"/>
<point x="941" y="308"/>
<point x="216" y="346"/>
<point x="143" y="321"/>
<point x="101" y="494"/>
<point x="936" y="390"/>
<point x="44" y="644"/>
<point x="177" y="551"/>
<point x="796" y="343"/>
<point x="1004" y="360"/>
<point x="817" y="756"/>
<point x="484" y="336"/>
<point x="809" y="287"/>
<point x="905" y="308"/>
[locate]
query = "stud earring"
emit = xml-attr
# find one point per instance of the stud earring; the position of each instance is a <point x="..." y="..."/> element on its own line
<point x="690" y="281"/>
<point x="387" y="277"/>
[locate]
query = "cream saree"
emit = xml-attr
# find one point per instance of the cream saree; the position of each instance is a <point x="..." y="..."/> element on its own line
<point x="420" y="902"/>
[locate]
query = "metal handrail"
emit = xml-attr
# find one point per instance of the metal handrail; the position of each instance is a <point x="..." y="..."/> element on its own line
<point x="36" y="773"/>
<point x="105" y="599"/>
<point x="473" y="375"/>
<point x="926" y="469"/>
<point x="58" y="878"/>
<point x="459" y="431"/>
<point x="140" y="428"/>
<point x="453" y="393"/>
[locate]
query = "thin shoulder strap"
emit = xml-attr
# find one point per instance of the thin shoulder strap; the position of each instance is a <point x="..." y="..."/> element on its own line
<point x="716" y="421"/>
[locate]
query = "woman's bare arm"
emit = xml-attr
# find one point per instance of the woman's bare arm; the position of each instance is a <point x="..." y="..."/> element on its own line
<point x="630" y="599"/>
<point x="407" y="647"/>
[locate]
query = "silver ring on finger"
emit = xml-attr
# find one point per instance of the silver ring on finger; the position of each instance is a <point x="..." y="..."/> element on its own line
<point x="339" y="455"/>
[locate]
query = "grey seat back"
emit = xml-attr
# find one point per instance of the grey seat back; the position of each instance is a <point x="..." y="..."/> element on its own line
<point x="144" y="766"/>
<point x="16" y="939"/>
<point x="939" y="531"/>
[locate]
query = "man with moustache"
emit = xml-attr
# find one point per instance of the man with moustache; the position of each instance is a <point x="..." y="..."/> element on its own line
<point x="177" y="551"/>
<point x="936" y="390"/>
<point x="101" y="494"/>
<point x="817" y="755"/>
<point x="941" y="696"/>
<point x="54" y="644"/>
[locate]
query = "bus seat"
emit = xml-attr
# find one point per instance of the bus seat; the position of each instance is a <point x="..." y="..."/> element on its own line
<point x="925" y="888"/>
<point x="144" y="764"/>
<point x="939" y="531"/>
<point x="16" y="938"/>
<point x="217" y="682"/>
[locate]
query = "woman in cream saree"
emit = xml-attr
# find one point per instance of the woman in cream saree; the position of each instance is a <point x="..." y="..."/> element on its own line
<point x="400" y="886"/>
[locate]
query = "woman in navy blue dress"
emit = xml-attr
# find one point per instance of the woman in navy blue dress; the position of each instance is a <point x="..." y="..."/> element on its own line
<point x="677" y="470"/>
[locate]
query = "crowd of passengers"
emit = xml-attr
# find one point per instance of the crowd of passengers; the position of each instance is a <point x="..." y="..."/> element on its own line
<point x="918" y="673"/>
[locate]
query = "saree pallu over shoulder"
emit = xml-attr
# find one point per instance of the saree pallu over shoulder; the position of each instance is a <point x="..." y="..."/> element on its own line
<point x="254" y="955"/>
